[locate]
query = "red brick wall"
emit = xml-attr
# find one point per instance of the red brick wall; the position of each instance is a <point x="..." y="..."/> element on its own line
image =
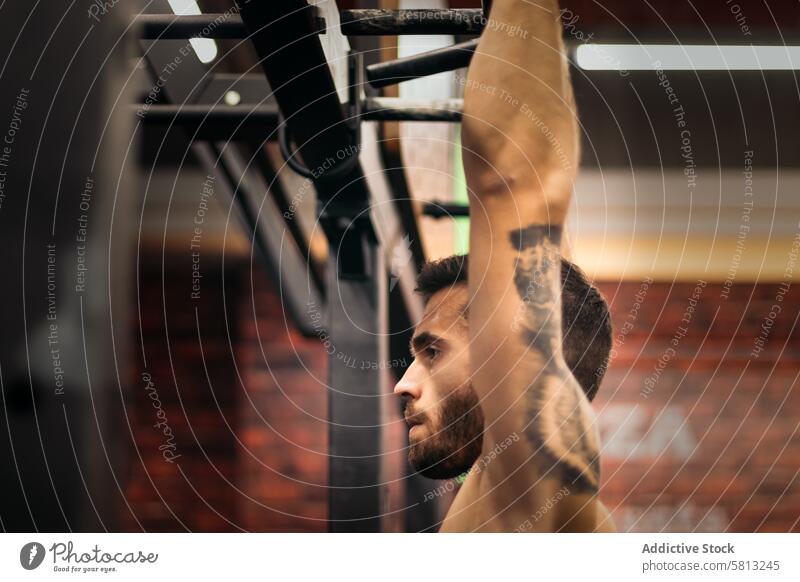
<point x="706" y="440"/>
<point x="252" y="435"/>
<point x="283" y="418"/>
<point x="705" y="437"/>
<point x="194" y="383"/>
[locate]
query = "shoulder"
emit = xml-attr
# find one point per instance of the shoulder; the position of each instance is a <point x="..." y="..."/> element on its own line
<point x="604" y="522"/>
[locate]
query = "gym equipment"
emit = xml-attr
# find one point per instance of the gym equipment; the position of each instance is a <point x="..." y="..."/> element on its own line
<point x="378" y="22"/>
<point x="364" y="22"/>
<point x="313" y="98"/>
<point x="320" y="92"/>
<point x="217" y="121"/>
<point x="421" y="65"/>
<point x="436" y="209"/>
<point x="312" y="86"/>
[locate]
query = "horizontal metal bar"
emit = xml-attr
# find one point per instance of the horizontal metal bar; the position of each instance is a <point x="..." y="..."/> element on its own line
<point x="202" y="112"/>
<point x="422" y="64"/>
<point x="395" y="109"/>
<point x="437" y="210"/>
<point x="375" y="22"/>
<point x="266" y="116"/>
<point x="216" y="123"/>
<point x="171" y="27"/>
<point x="432" y="21"/>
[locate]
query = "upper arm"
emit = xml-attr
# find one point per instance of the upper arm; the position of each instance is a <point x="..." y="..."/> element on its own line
<point x="518" y="368"/>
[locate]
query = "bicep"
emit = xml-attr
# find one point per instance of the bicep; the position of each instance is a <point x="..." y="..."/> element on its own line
<point x="515" y="310"/>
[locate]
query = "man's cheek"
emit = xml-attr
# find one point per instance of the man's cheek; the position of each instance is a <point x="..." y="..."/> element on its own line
<point x="432" y="419"/>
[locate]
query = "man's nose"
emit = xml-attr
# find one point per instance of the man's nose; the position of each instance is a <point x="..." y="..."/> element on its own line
<point x="410" y="384"/>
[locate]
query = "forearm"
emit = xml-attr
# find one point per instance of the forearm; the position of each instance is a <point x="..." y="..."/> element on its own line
<point x="520" y="130"/>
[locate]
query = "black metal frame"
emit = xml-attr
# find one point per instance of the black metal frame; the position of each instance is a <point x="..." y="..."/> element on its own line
<point x="356" y="303"/>
<point x="379" y="22"/>
<point x="369" y="22"/>
<point x="437" y="210"/>
<point x="194" y="108"/>
<point x="171" y="27"/>
<point x="209" y="121"/>
<point x="320" y="126"/>
<point x="421" y="65"/>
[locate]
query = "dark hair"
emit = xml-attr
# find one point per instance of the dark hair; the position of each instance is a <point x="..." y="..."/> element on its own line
<point x="585" y="318"/>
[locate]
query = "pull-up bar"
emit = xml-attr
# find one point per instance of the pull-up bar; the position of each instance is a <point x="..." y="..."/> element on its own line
<point x="439" y="60"/>
<point x="172" y="27"/>
<point x="375" y="22"/>
<point x="231" y="119"/>
<point x="436" y="209"/>
<point x="353" y="23"/>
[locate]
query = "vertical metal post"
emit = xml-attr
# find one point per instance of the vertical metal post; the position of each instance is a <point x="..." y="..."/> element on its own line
<point x="66" y="214"/>
<point x="308" y="95"/>
<point x="357" y="325"/>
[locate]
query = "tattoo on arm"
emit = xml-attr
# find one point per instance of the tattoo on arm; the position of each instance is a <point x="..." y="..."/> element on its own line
<point x="560" y="425"/>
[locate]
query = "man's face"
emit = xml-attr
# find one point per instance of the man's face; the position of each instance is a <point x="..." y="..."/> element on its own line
<point x="442" y="409"/>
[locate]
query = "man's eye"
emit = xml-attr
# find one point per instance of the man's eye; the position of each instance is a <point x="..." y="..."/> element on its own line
<point x="432" y="353"/>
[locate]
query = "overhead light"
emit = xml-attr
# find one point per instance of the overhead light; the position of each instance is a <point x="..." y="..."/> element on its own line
<point x="647" y="57"/>
<point x="184" y="7"/>
<point x="205" y="48"/>
<point x="232" y="98"/>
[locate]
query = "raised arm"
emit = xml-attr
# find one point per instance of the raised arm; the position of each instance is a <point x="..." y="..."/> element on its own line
<point x="520" y="150"/>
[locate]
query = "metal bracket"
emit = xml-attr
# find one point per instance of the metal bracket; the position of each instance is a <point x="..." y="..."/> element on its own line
<point x="352" y="245"/>
<point x="343" y="161"/>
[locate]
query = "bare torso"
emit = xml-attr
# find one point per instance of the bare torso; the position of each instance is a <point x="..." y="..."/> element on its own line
<point x="475" y="509"/>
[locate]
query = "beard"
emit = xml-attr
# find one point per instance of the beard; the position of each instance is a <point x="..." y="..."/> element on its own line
<point x="450" y="449"/>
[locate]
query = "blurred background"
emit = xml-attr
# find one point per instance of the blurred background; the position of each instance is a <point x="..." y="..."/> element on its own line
<point x="686" y="216"/>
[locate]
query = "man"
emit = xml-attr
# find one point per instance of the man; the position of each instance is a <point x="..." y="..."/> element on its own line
<point x="439" y="395"/>
<point x="489" y="359"/>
